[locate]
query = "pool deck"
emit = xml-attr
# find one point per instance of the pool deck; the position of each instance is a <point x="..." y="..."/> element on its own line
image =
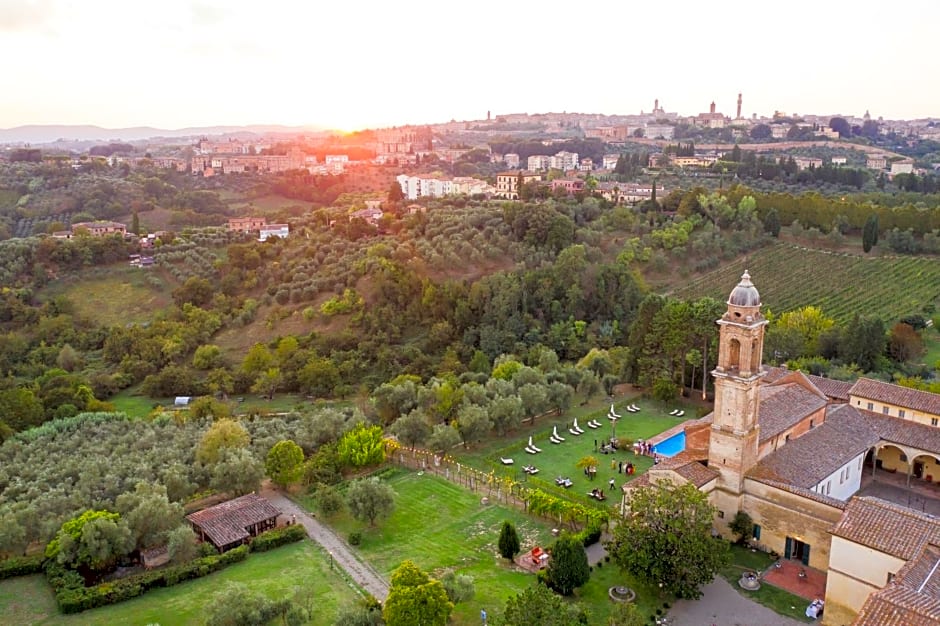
<point x="666" y="434"/>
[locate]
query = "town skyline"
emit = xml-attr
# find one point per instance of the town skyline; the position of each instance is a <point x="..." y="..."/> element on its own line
<point x="200" y="63"/>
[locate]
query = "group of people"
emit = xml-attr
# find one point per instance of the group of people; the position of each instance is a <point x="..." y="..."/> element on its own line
<point x="625" y="468"/>
<point x="644" y="447"/>
<point x="598" y="493"/>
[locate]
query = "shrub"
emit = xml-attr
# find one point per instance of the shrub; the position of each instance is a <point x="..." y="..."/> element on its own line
<point x="278" y="537"/>
<point x="21" y="566"/>
<point x="355" y="538"/>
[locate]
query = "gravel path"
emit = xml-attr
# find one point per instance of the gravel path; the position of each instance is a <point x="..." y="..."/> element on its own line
<point x="364" y="575"/>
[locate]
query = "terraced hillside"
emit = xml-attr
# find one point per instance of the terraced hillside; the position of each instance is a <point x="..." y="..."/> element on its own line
<point x="790" y="277"/>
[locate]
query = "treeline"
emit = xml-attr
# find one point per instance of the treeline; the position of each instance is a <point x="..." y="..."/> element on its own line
<point x="748" y="165"/>
<point x="594" y="149"/>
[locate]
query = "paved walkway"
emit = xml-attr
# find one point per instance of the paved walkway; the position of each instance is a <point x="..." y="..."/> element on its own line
<point x="364" y="575"/>
<point x="722" y="605"/>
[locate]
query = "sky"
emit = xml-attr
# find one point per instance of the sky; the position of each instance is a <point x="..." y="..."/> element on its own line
<point x="351" y="64"/>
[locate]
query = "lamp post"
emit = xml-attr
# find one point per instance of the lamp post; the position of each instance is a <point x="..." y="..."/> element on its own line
<point x="331" y="561"/>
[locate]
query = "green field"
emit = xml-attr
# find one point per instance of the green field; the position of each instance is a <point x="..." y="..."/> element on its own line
<point x="115" y="295"/>
<point x="789" y="277"/>
<point x="560" y="459"/>
<point x="131" y="402"/>
<point x="441" y="526"/>
<point x="302" y="566"/>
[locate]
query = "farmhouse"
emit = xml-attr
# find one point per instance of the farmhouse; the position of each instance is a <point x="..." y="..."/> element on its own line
<point x="828" y="471"/>
<point x="230" y="524"/>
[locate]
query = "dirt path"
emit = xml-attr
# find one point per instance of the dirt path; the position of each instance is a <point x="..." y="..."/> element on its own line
<point x="364" y="575"/>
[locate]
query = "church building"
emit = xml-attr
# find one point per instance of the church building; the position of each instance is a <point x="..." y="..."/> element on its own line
<point x="843" y="478"/>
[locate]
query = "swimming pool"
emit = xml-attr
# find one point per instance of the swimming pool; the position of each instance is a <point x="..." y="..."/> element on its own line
<point x="672" y="446"/>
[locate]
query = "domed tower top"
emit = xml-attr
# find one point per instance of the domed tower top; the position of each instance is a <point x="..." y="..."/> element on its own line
<point x="745" y="293"/>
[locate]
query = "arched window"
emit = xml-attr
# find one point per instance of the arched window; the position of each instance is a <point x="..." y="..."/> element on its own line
<point x="734" y="354"/>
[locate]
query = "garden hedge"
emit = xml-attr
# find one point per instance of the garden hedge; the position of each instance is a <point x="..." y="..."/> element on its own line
<point x="21" y="566"/>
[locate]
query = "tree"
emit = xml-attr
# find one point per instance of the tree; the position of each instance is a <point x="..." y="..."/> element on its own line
<point x="207" y="357"/>
<point x="416" y="599"/>
<point x="319" y="377"/>
<point x="508" y="541"/>
<point x="181" y="544"/>
<point x="863" y="342"/>
<point x="539" y="606"/>
<point x="412" y="429"/>
<point x="328" y="500"/>
<point x="135" y="224"/>
<point x="223" y="434"/>
<point x="369" y="499"/>
<point x="362" y="446"/>
<point x="395" y="193"/>
<point x="149" y="514"/>
<point x="742" y="525"/>
<point x="772" y="223"/>
<point x="626" y="614"/>
<point x="904" y="343"/>
<point x="20" y="408"/>
<point x="666" y="538"/>
<point x="761" y="131"/>
<point x="870" y="233"/>
<point x="237" y="472"/>
<point x="68" y="359"/>
<point x="459" y="587"/>
<point x="443" y="437"/>
<point x="568" y="568"/>
<point x="268" y="382"/>
<point x="94" y="539"/>
<point x="238" y="605"/>
<point x="473" y="423"/>
<point x="841" y="126"/>
<point x="284" y="463"/>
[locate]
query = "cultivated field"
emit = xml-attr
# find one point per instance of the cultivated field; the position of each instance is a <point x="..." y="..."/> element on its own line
<point x="789" y="277"/>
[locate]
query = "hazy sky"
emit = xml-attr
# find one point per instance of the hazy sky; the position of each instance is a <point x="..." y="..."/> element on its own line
<point x="353" y="63"/>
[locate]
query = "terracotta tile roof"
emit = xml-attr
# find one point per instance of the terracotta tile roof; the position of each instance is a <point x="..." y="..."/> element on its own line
<point x="895" y="394"/>
<point x="887" y="527"/>
<point x="225" y="523"/>
<point x="901" y="431"/>
<point x="810" y="458"/>
<point x="911" y="599"/>
<point x="696" y="473"/>
<point x="783" y="406"/>
<point x="834" y="389"/>
<point x="800" y="491"/>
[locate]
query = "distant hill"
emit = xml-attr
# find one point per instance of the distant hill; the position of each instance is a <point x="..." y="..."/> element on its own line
<point x="41" y="134"/>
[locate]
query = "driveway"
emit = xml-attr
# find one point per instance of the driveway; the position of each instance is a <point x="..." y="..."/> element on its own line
<point x="722" y="605"/>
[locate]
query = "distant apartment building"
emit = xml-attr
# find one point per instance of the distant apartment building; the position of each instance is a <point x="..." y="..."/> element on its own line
<point x="876" y="162"/>
<point x="659" y="131"/>
<point x="246" y="224"/>
<point x="538" y="163"/>
<point x="564" y="161"/>
<point x="511" y="159"/>
<point x="507" y="182"/>
<point x="273" y="230"/>
<point x="414" y="187"/>
<point x="902" y="167"/>
<point x="586" y="165"/>
<point x="610" y="133"/>
<point x="828" y="133"/>
<point x="836" y="161"/>
<point x="230" y="146"/>
<point x="628" y="193"/>
<point x="779" y="131"/>
<point x="609" y="161"/>
<point x="804" y="163"/>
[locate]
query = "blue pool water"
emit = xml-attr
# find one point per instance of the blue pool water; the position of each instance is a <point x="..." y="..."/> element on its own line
<point x="672" y="446"/>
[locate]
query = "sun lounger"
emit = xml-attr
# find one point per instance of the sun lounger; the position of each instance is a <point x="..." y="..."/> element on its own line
<point x="680" y="413"/>
<point x="532" y="445"/>
<point x="506" y="461"/>
<point x="573" y="432"/>
<point x="591" y="424"/>
<point x="634" y="407"/>
<point x="530" y="450"/>
<point x="554" y="439"/>
<point x="613" y="412"/>
<point x="577" y="428"/>
<point x="556" y="435"/>
<point x="613" y="418"/>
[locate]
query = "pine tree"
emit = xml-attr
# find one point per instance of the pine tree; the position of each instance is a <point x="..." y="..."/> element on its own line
<point x="870" y="233"/>
<point x="508" y="541"/>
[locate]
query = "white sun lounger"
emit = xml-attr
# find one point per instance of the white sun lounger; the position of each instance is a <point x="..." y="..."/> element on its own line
<point x="577" y="428"/>
<point x="506" y="461"/>
<point x="532" y="445"/>
<point x="554" y="439"/>
<point x="680" y="413"/>
<point x="530" y="450"/>
<point x="555" y="433"/>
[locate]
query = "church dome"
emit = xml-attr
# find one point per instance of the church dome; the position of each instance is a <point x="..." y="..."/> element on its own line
<point x="745" y="294"/>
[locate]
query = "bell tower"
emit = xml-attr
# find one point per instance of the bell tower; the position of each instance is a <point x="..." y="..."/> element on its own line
<point x="732" y="448"/>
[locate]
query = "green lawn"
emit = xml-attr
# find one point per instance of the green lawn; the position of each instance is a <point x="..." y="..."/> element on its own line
<point x="560" y="459"/>
<point x="593" y="596"/>
<point x="442" y="527"/>
<point x="774" y="598"/>
<point x="132" y="402"/>
<point x="304" y="566"/>
<point x="932" y="344"/>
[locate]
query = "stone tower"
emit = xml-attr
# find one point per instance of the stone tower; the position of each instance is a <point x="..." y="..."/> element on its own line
<point x="732" y="448"/>
<point x="739" y="106"/>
